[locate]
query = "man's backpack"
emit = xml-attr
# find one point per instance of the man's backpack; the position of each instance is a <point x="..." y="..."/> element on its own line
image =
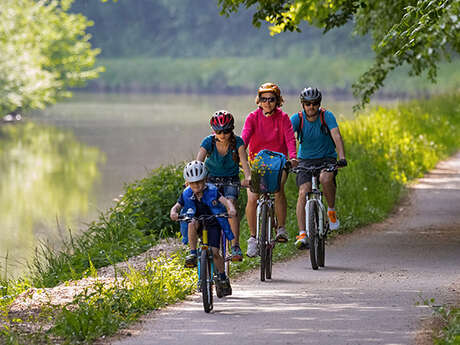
<point x="324" y="128"/>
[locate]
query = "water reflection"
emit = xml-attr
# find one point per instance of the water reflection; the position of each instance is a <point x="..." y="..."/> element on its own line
<point x="46" y="178"/>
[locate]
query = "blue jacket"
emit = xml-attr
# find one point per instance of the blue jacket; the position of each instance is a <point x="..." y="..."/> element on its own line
<point x="210" y="199"/>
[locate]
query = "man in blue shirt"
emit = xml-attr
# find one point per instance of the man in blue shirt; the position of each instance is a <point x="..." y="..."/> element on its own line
<point x="320" y="142"/>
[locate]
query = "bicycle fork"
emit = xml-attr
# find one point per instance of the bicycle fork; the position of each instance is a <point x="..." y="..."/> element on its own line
<point x="269" y="204"/>
<point x="321" y="220"/>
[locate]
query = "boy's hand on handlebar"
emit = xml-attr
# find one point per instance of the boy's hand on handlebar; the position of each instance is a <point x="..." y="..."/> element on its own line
<point x="174" y="215"/>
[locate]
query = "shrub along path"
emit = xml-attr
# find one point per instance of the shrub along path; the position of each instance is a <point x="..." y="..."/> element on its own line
<point x="368" y="292"/>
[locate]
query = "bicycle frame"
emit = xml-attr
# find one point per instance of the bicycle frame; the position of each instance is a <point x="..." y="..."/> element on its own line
<point x="267" y="199"/>
<point x="315" y="196"/>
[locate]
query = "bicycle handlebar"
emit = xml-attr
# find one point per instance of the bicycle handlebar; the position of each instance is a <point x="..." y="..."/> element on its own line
<point x="202" y="218"/>
<point x="316" y="169"/>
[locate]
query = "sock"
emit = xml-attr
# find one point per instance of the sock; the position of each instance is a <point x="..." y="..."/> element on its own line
<point x="194" y="252"/>
<point x="331" y="208"/>
<point x="222" y="276"/>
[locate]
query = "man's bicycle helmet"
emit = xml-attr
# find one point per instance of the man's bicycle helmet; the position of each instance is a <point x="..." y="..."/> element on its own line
<point x="310" y="94"/>
<point x="222" y="120"/>
<point x="270" y="87"/>
<point x="195" y="171"/>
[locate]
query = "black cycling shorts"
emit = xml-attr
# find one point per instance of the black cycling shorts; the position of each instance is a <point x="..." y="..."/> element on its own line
<point x="304" y="177"/>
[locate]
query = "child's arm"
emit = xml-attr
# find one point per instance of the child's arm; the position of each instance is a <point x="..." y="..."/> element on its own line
<point x="244" y="163"/>
<point x="174" y="213"/>
<point x="231" y="210"/>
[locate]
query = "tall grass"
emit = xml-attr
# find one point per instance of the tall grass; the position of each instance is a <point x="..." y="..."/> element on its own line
<point x="244" y="74"/>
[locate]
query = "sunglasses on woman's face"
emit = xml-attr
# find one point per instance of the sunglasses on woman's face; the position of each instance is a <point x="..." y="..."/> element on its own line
<point x="225" y="131"/>
<point x="307" y="104"/>
<point x="267" y="99"/>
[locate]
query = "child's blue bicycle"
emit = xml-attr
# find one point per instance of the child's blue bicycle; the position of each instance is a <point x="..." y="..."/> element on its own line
<point x="207" y="271"/>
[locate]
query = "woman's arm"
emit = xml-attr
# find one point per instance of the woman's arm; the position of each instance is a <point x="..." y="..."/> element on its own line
<point x="244" y="163"/>
<point x="231" y="210"/>
<point x="201" y="154"/>
<point x="289" y="137"/>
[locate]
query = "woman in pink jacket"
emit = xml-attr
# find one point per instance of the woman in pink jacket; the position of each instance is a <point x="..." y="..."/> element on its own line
<point x="268" y="127"/>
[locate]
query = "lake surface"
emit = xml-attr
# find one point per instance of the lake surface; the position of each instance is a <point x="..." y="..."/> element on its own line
<point x="62" y="166"/>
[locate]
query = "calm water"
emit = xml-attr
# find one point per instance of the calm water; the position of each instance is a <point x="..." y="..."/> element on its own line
<point x="64" y="165"/>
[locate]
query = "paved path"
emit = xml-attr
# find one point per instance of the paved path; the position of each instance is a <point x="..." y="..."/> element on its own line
<point x="367" y="294"/>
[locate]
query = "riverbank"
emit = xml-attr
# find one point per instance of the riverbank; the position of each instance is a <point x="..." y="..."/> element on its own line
<point x="242" y="75"/>
<point x="386" y="149"/>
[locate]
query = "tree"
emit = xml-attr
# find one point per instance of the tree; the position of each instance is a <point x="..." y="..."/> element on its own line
<point x="420" y="33"/>
<point x="44" y="52"/>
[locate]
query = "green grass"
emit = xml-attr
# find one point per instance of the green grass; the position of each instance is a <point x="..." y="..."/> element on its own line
<point x="244" y="74"/>
<point x="386" y="149"/>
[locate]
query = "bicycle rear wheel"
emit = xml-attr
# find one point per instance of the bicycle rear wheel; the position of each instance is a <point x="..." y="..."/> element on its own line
<point x="226" y="255"/>
<point x="206" y="281"/>
<point x="263" y="241"/>
<point x="313" y="236"/>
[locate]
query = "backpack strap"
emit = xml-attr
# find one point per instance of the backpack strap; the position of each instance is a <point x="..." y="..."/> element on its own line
<point x="324" y="128"/>
<point x="299" y="131"/>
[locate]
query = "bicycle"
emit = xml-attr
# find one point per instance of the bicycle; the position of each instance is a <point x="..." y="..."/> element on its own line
<point x="316" y="219"/>
<point x="266" y="224"/>
<point x="206" y="269"/>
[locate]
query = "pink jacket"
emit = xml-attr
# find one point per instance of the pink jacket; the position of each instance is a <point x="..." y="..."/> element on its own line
<point x="273" y="133"/>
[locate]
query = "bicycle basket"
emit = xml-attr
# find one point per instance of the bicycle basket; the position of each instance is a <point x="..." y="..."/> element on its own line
<point x="266" y="172"/>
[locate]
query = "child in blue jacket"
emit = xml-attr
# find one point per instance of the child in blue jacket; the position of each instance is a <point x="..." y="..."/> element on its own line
<point x="201" y="198"/>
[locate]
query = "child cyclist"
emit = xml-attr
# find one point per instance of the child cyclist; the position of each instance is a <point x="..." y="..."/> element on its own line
<point x="201" y="198"/>
<point x="222" y="152"/>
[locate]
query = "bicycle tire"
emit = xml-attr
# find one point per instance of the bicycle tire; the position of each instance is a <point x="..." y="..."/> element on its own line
<point x="313" y="236"/>
<point x="263" y="241"/>
<point x="321" y="251"/>
<point x="206" y="281"/>
<point x="270" y="247"/>
<point x="228" y="249"/>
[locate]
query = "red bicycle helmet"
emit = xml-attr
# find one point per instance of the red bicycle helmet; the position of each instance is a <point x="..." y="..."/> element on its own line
<point x="222" y="120"/>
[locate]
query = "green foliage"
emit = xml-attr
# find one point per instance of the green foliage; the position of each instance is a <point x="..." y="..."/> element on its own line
<point x="450" y="333"/>
<point x="420" y="33"/>
<point x="45" y="51"/>
<point x="194" y="28"/>
<point x="103" y="309"/>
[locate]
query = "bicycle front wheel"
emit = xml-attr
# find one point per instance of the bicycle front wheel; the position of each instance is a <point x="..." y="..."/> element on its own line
<point x="313" y="235"/>
<point x="321" y="250"/>
<point x="263" y="231"/>
<point x="206" y="281"/>
<point x="270" y="247"/>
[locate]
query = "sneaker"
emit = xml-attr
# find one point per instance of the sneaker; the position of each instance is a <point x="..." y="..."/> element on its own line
<point x="252" y="247"/>
<point x="281" y="235"/>
<point x="223" y="287"/>
<point x="191" y="261"/>
<point x="237" y="254"/>
<point x="302" y="241"/>
<point x="333" y="220"/>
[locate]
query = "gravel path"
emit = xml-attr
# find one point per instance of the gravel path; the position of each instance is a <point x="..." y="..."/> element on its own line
<point x="367" y="294"/>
